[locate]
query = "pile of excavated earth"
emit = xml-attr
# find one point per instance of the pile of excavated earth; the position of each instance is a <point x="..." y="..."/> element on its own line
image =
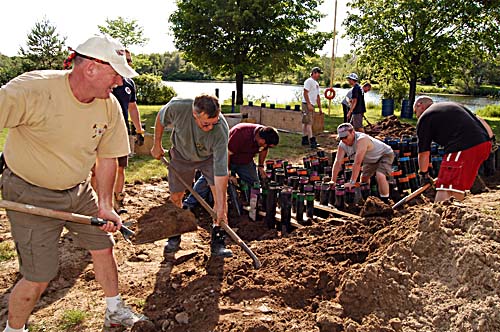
<point x="424" y="267"/>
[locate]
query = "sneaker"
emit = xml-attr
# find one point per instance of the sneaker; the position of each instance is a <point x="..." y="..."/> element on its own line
<point x="173" y="244"/>
<point x="123" y="316"/>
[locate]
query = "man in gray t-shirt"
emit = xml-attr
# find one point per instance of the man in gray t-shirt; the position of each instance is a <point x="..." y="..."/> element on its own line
<point x="371" y="157"/>
<point x="199" y="141"/>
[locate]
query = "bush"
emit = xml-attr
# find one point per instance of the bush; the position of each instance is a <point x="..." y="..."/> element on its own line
<point x="152" y="91"/>
<point x="490" y="111"/>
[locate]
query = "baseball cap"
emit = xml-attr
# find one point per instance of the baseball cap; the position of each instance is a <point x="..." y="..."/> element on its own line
<point x="353" y="77"/>
<point x="344" y="129"/>
<point x="316" y="70"/>
<point x="108" y="50"/>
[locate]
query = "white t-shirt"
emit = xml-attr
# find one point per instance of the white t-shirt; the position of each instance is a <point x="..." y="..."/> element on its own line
<point x="312" y="87"/>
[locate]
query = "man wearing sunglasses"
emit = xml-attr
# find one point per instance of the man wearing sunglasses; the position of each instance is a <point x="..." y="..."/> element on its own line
<point x="60" y="123"/>
<point x="371" y="157"/>
<point x="199" y="142"/>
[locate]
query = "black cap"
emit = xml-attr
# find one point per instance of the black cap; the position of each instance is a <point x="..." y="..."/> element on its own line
<point x="316" y="70"/>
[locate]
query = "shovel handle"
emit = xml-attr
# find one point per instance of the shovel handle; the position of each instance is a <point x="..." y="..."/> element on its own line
<point x="412" y="195"/>
<point x="229" y="231"/>
<point x="56" y="214"/>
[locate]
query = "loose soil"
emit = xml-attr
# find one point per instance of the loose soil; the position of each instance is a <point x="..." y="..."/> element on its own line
<point x="425" y="267"/>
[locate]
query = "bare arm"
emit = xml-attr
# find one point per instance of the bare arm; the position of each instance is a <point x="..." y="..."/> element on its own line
<point x="486" y="126"/>
<point x="318" y="102"/>
<point x="361" y="149"/>
<point x="157" y="151"/>
<point x="423" y="161"/>
<point x="338" y="163"/>
<point x="220" y="198"/>
<point x="135" y="117"/>
<point x="105" y="172"/>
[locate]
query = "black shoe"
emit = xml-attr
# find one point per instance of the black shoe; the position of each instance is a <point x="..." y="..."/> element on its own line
<point x="217" y="245"/>
<point x="305" y="140"/>
<point x="173" y="244"/>
<point x="314" y="144"/>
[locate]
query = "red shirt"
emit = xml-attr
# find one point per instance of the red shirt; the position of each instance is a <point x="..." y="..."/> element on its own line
<point x="242" y="143"/>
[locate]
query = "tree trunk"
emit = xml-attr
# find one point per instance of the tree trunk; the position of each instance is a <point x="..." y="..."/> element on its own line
<point x="413" y="89"/>
<point x="239" y="88"/>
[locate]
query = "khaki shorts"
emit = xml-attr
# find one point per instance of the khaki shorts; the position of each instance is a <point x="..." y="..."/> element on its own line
<point x="357" y="120"/>
<point x="123" y="161"/>
<point x="307" y="117"/>
<point x="36" y="237"/>
<point x="186" y="170"/>
<point x="383" y="165"/>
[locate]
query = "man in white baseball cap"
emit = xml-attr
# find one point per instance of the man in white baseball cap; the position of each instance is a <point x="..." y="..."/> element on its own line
<point x="60" y="124"/>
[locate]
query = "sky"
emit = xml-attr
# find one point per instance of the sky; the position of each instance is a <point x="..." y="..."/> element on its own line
<point x="79" y="20"/>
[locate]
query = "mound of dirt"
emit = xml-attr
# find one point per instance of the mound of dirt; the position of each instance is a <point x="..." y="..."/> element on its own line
<point x="390" y="127"/>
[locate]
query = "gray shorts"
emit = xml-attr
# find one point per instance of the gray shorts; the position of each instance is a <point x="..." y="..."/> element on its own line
<point x="357" y="120"/>
<point x="307" y="117"/>
<point x="186" y="170"/>
<point x="36" y="237"/>
<point x="383" y="165"/>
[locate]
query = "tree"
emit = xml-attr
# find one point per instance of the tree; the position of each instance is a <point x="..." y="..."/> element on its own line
<point x="246" y="37"/>
<point x="127" y="32"/>
<point x="45" y="47"/>
<point x="404" y="40"/>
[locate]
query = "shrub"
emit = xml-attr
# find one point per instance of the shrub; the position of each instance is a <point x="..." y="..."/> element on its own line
<point x="490" y="111"/>
<point x="152" y="91"/>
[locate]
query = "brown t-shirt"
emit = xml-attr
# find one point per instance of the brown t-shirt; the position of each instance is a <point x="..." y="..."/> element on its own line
<point x="53" y="138"/>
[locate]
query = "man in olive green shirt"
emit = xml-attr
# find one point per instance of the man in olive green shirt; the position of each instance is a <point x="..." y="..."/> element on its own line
<point x="199" y="141"/>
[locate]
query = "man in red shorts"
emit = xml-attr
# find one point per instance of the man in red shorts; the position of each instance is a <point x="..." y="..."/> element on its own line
<point x="466" y="139"/>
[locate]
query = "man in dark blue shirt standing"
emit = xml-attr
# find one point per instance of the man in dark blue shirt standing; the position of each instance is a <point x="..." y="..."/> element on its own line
<point x="126" y="95"/>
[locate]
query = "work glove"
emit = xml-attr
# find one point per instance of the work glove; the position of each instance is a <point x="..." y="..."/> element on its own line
<point x="425" y="178"/>
<point x="139" y="139"/>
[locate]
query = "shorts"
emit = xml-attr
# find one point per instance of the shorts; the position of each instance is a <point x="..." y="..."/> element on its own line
<point x="37" y="238"/>
<point x="123" y="161"/>
<point x="459" y="169"/>
<point x="186" y="170"/>
<point x="383" y="165"/>
<point x="307" y="117"/>
<point x="357" y="120"/>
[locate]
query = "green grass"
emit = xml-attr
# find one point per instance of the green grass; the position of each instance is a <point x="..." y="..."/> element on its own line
<point x="71" y="318"/>
<point x="7" y="251"/>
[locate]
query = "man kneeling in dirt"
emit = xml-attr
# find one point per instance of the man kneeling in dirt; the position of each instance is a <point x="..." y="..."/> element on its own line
<point x="59" y="123"/>
<point x="466" y="139"/>
<point x="375" y="156"/>
<point x="199" y="141"/>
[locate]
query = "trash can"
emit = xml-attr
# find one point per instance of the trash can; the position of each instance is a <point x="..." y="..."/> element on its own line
<point x="406" y="110"/>
<point x="387" y="107"/>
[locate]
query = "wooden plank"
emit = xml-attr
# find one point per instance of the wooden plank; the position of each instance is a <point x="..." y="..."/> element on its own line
<point x="335" y="211"/>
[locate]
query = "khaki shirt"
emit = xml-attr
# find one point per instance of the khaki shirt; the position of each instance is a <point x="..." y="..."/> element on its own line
<point x="53" y="138"/>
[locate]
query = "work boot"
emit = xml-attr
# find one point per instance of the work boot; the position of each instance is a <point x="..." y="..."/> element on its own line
<point x="123" y="316"/>
<point x="172" y="245"/>
<point x="314" y="144"/>
<point x="217" y="245"/>
<point x="305" y="140"/>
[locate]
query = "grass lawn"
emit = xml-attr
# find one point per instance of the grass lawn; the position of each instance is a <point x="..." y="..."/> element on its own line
<point x="143" y="168"/>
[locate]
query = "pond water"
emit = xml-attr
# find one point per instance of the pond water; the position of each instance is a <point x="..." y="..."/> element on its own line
<point x="285" y="93"/>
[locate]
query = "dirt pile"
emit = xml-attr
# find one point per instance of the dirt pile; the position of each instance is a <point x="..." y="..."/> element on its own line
<point x="390" y="127"/>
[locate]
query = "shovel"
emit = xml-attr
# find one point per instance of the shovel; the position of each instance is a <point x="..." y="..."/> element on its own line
<point x="412" y="195"/>
<point x="232" y="234"/>
<point x="72" y="217"/>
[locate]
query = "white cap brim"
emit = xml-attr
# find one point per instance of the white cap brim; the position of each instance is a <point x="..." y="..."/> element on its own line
<point x="124" y="70"/>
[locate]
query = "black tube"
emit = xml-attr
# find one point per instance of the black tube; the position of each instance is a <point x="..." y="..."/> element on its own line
<point x="233" y="194"/>
<point x="294" y="200"/>
<point x="310" y="205"/>
<point x="300" y="207"/>
<point x="325" y="194"/>
<point x="272" y="194"/>
<point x="286" y="209"/>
